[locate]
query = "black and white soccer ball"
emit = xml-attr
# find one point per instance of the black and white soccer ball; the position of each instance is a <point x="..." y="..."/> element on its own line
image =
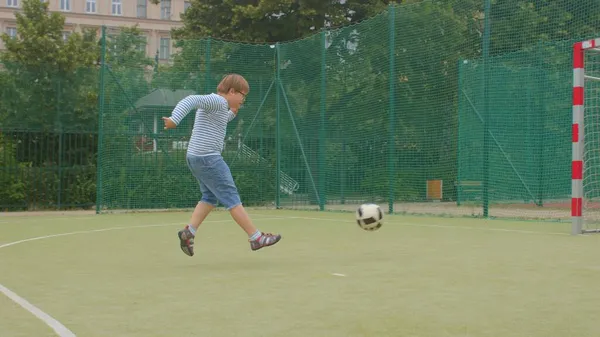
<point x="369" y="217"/>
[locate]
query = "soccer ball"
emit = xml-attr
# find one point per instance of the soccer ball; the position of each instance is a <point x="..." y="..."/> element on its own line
<point x="369" y="217"/>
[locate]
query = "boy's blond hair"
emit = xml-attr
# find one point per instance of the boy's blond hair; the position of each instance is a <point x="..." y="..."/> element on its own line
<point x="233" y="81"/>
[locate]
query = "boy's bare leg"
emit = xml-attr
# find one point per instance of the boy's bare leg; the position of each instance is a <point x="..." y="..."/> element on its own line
<point x="239" y="214"/>
<point x="186" y="235"/>
<point x="200" y="212"/>
<point x="258" y="239"/>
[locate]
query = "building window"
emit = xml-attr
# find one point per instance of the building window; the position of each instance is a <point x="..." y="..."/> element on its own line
<point x="143" y="42"/>
<point x="165" y="48"/>
<point x="12" y="32"/>
<point x="142" y="6"/>
<point x="116" y="7"/>
<point x="165" y="9"/>
<point x="65" y="35"/>
<point x="65" y="5"/>
<point x="90" y="6"/>
<point x="12" y="3"/>
<point x="186" y="5"/>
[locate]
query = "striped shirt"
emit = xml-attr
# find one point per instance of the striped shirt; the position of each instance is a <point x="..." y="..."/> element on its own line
<point x="210" y="124"/>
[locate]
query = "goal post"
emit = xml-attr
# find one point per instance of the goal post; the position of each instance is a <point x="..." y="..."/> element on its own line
<point x="585" y="166"/>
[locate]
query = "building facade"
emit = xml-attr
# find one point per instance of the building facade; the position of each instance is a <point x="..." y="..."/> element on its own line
<point x="155" y="21"/>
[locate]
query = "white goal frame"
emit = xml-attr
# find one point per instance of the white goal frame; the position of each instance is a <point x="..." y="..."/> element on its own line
<point x="577" y="164"/>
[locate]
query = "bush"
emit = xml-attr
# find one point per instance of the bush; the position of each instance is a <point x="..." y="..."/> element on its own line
<point x="255" y="183"/>
<point x="26" y="186"/>
<point x="159" y="180"/>
<point x="13" y="188"/>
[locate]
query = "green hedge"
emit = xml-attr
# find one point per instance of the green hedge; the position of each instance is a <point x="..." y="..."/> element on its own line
<point x="159" y="180"/>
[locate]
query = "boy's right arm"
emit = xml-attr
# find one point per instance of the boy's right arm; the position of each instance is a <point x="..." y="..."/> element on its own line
<point x="192" y="102"/>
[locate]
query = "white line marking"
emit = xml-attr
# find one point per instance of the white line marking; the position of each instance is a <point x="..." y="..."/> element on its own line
<point x="84" y="232"/>
<point x="60" y="329"/>
<point x="111" y="229"/>
<point x="338" y="274"/>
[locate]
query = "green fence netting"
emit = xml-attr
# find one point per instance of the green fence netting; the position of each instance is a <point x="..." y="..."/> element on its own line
<point x="420" y="109"/>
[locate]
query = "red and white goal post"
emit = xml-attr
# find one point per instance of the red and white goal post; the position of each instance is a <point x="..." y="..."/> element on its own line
<point x="585" y="166"/>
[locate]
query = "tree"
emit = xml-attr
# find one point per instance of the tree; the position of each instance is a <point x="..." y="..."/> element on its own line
<point x="40" y="43"/>
<point x="49" y="80"/>
<point x="270" y="20"/>
<point x="48" y="97"/>
<point x="126" y="67"/>
<point x="127" y="48"/>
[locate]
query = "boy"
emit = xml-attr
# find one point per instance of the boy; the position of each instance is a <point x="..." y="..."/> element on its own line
<point x="204" y="159"/>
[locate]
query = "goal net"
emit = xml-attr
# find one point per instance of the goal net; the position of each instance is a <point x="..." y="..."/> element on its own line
<point x="585" y="204"/>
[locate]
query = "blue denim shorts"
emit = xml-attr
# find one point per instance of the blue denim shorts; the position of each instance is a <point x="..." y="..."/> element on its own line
<point x="216" y="182"/>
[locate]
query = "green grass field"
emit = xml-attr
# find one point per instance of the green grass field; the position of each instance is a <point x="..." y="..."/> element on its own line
<point x="124" y="275"/>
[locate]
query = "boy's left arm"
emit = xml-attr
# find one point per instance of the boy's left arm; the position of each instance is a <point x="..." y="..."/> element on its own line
<point x="187" y="104"/>
<point x="232" y="114"/>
